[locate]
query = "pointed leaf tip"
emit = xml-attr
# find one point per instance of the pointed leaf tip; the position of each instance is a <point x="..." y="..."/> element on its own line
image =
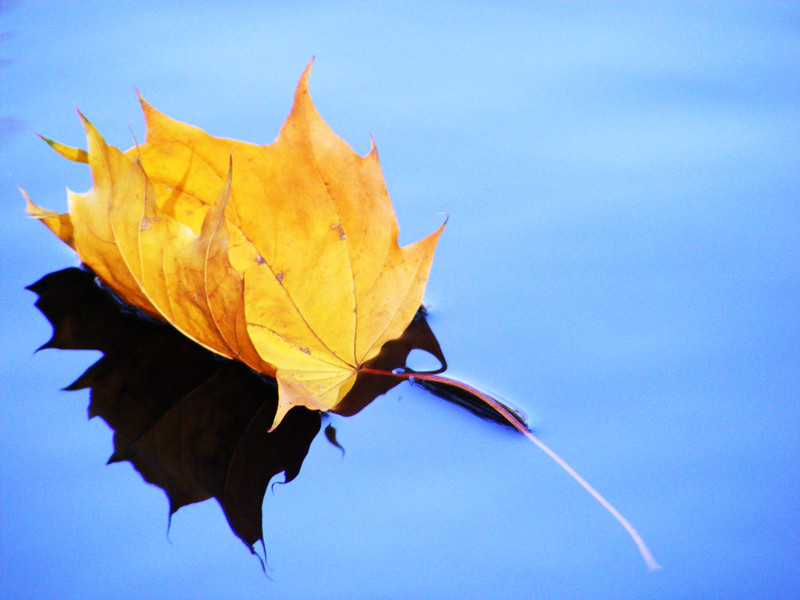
<point x="302" y="84"/>
<point x="141" y="99"/>
<point x="73" y="154"/>
<point x="60" y="225"/>
<point x="283" y="408"/>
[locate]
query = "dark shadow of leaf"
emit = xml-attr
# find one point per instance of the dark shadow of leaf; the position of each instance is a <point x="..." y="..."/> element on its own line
<point x="193" y="423"/>
<point x="189" y="422"/>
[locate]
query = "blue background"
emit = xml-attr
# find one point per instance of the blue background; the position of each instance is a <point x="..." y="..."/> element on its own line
<point x="621" y="262"/>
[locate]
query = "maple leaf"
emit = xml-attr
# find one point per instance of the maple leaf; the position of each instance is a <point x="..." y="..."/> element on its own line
<point x="282" y="256"/>
<point x="288" y="262"/>
<point x="189" y="422"/>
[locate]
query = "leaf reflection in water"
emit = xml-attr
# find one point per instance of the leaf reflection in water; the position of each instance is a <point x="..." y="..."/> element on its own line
<point x="191" y="422"/>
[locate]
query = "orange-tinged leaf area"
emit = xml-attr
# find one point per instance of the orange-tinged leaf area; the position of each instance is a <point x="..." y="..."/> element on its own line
<point x="283" y="256"/>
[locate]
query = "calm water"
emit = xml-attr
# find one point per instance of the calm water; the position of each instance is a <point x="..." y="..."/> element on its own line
<point x="621" y="262"/>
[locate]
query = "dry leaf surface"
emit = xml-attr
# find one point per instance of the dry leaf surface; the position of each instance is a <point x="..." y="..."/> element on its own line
<point x="283" y="256"/>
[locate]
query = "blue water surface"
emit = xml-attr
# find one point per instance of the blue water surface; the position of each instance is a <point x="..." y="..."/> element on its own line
<point x="622" y="261"/>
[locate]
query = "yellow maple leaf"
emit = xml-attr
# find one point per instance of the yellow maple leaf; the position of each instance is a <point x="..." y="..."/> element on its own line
<point x="283" y="256"/>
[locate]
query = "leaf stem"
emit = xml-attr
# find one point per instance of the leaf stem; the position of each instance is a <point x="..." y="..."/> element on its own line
<point x="519" y="426"/>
